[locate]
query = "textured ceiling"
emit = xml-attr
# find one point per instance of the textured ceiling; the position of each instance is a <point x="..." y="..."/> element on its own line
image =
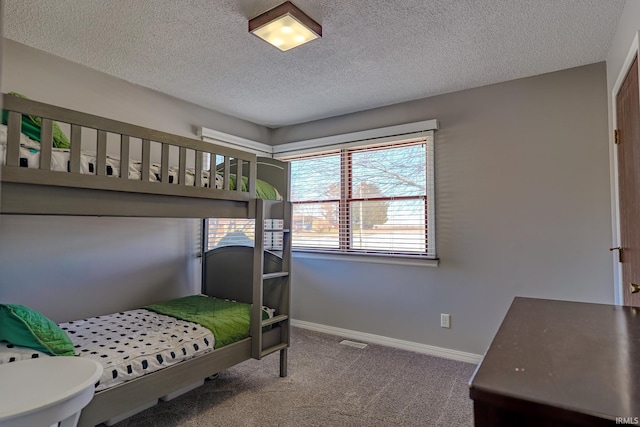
<point x="373" y="52"/>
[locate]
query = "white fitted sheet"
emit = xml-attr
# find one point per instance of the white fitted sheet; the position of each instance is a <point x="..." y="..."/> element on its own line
<point x="30" y="158"/>
<point x="128" y="344"/>
<point x="136" y="342"/>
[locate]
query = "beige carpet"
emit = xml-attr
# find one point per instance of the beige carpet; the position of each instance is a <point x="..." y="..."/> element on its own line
<point x="329" y="384"/>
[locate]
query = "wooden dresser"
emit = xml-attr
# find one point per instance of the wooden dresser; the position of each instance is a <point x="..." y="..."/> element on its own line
<point x="560" y="363"/>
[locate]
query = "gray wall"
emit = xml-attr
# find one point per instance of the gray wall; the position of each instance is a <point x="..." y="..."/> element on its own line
<point x="72" y="267"/>
<point x="51" y="79"/>
<point x="522" y="210"/>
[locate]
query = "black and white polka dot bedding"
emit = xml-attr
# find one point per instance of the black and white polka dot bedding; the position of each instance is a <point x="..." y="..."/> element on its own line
<point x="136" y="342"/>
<point x="30" y="158"/>
<point x="128" y="344"/>
<point x="13" y="353"/>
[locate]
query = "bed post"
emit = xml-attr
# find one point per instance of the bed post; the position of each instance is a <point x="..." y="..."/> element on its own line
<point x="258" y="281"/>
<point x="204" y="247"/>
<point x="283" y="362"/>
<point x="269" y="276"/>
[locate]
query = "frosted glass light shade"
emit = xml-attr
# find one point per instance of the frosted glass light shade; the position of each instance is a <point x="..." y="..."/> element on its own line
<point x="285" y="27"/>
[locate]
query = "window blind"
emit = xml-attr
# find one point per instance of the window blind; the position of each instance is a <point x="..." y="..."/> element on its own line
<point x="241" y="232"/>
<point x="375" y="198"/>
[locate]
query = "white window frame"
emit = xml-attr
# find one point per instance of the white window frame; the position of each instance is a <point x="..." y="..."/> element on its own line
<point x="375" y="137"/>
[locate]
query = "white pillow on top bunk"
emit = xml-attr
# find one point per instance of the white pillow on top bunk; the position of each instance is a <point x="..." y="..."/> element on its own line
<point x="25" y="141"/>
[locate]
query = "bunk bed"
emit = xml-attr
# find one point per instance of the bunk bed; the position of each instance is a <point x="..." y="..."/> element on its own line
<point x="174" y="184"/>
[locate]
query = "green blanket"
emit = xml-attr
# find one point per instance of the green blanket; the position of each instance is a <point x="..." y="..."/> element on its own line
<point x="228" y="320"/>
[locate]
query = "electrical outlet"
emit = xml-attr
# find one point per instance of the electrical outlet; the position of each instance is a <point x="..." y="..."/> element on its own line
<point x="445" y="320"/>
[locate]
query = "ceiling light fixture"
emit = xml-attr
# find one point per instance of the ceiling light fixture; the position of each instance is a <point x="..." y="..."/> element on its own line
<point x="285" y="26"/>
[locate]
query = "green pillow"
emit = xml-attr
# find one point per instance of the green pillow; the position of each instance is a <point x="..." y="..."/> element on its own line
<point x="264" y="190"/>
<point x="22" y="326"/>
<point x="31" y="127"/>
<point x="232" y="182"/>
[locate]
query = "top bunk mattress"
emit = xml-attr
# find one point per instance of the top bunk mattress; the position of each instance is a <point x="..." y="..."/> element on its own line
<point x="60" y="162"/>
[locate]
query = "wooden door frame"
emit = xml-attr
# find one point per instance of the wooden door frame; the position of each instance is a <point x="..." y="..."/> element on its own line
<point x="634" y="50"/>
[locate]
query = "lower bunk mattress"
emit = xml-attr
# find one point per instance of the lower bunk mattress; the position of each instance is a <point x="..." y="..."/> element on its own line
<point x="136" y="342"/>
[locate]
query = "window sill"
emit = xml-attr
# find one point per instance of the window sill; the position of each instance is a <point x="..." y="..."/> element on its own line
<point x="370" y="258"/>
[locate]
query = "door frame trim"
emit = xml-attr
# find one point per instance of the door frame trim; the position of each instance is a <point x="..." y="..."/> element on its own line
<point x="634" y="50"/>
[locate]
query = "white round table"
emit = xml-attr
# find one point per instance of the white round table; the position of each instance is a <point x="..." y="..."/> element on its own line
<point x="42" y="392"/>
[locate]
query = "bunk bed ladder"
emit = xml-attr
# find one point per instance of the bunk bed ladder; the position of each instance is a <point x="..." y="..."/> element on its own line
<point x="261" y="346"/>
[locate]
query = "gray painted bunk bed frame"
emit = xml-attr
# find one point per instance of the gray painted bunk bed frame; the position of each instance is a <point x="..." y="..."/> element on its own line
<point x="246" y="274"/>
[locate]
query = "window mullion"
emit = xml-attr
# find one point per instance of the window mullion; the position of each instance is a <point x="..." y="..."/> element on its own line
<point x="345" y="196"/>
<point x="426" y="223"/>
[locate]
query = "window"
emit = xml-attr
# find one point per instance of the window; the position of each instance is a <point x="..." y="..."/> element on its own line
<point x="241" y="232"/>
<point x="229" y="232"/>
<point x="370" y="199"/>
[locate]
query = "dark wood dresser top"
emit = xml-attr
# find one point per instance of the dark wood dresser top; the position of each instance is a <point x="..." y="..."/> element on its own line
<point x="568" y="357"/>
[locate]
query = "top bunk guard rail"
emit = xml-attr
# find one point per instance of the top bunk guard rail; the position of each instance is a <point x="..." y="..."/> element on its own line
<point x="41" y="190"/>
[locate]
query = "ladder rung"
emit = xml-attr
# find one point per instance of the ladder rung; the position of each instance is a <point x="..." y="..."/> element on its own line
<point x="275" y="275"/>
<point x="274" y="349"/>
<point x="275" y="319"/>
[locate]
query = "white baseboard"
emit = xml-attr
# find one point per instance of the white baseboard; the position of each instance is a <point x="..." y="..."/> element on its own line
<point x="391" y="342"/>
